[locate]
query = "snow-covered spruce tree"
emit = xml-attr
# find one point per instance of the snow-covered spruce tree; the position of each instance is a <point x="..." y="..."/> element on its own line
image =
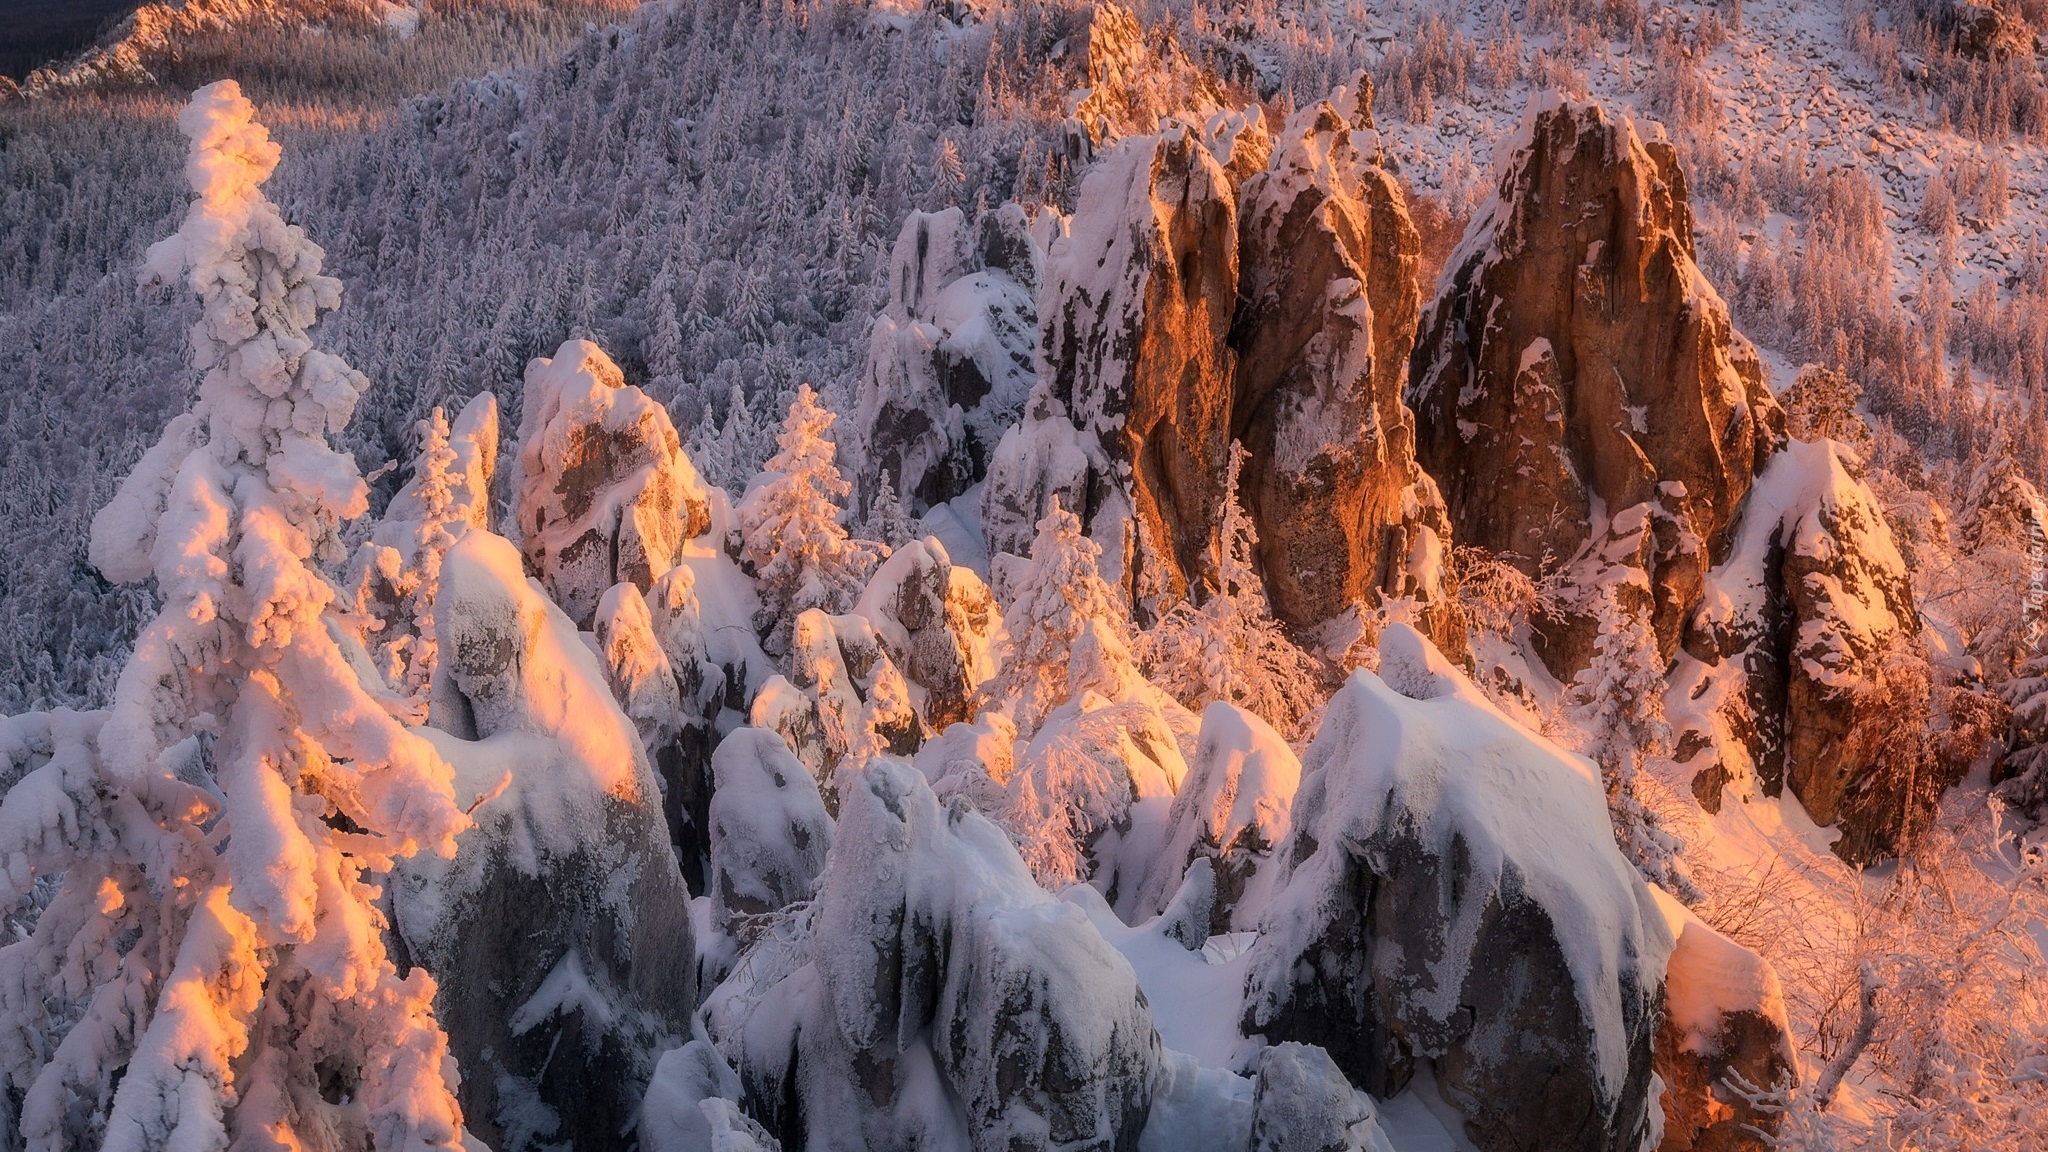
<point x="1229" y="647"/>
<point x="219" y="953"/>
<point x="1060" y="599"/>
<point x="790" y="530"/>
<point x="2026" y="758"/>
<point x="408" y="658"/>
<point x="1617" y="701"/>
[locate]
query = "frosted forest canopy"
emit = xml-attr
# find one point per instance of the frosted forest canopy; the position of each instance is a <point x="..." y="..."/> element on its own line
<point x="1027" y="577"/>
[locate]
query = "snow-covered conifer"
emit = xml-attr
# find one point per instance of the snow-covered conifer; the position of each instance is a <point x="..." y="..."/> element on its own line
<point x="1229" y="647"/>
<point x="790" y="527"/>
<point x="1618" y="703"/>
<point x="224" y="959"/>
<point x="888" y="522"/>
<point x="1060" y="598"/>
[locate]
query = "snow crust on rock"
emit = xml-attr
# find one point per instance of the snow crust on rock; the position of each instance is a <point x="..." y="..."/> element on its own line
<point x="562" y="927"/>
<point x="989" y="1014"/>
<point x="603" y="491"/>
<point x="769" y="830"/>
<point x="1233" y="808"/>
<point x="1414" y="769"/>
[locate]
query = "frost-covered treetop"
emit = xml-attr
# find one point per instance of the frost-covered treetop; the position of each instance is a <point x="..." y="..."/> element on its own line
<point x="268" y="396"/>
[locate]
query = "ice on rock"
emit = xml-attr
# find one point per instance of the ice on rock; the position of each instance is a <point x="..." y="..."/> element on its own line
<point x="603" y="492"/>
<point x="560" y="933"/>
<point x="690" y="1106"/>
<point x="937" y="997"/>
<point x="1724" y="1012"/>
<point x="1455" y="900"/>
<point x="769" y="830"/>
<point x="1231" y="810"/>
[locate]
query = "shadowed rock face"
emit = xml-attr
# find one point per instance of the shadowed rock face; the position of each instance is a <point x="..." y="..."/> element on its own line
<point x="1577" y="365"/>
<point x="1424" y="924"/>
<point x="560" y="934"/>
<point x="1326" y="260"/>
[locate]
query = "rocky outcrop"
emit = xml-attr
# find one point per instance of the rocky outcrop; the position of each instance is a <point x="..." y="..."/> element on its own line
<point x="1326" y="265"/>
<point x="603" y="493"/>
<point x="1577" y="367"/>
<point x="1802" y="664"/>
<point x="1455" y="898"/>
<point x="559" y="936"/>
<point x="937" y="622"/>
<point x="1724" y="1018"/>
<point x="949" y="361"/>
<point x="769" y="831"/>
<point x="1985" y="31"/>
<point x="1217" y="285"/>
<point x="1304" y="1104"/>
<point x="1129" y="422"/>
<point x="935" y="997"/>
<point x="1232" y="809"/>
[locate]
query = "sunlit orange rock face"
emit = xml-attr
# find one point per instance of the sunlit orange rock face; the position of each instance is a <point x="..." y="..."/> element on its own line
<point x="1578" y="366"/>
<point x="1132" y="346"/>
<point x="1214" y="286"/>
<point x="1326" y="319"/>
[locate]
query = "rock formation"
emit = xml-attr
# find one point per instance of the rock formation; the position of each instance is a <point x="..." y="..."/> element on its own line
<point x="950" y="359"/>
<point x="1128" y="424"/>
<point x="934" y="996"/>
<point x="1455" y="897"/>
<point x="1231" y="809"/>
<point x="1326" y="265"/>
<point x="769" y="831"/>
<point x="1577" y="366"/>
<point x="604" y="493"/>
<point x="1304" y="1104"/>
<point x="936" y="621"/>
<point x="560" y="934"/>
<point x="1724" y="1012"/>
<point x="1800" y="663"/>
<point x="1213" y="286"/>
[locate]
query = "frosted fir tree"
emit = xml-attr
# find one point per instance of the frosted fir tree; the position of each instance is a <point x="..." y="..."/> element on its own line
<point x="888" y="522"/>
<point x="1617" y="702"/>
<point x="2026" y="759"/>
<point x="219" y="953"/>
<point x="1060" y="600"/>
<point x="790" y="528"/>
<point x="1229" y="647"/>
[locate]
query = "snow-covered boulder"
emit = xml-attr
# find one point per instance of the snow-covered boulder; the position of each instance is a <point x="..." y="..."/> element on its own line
<point x="559" y="936"/>
<point x="1724" y="1012"/>
<point x="692" y="1106"/>
<point x="1326" y="261"/>
<point x="1790" y="654"/>
<point x="1456" y="897"/>
<point x="603" y="493"/>
<point x="1232" y="809"/>
<point x="934" y="996"/>
<point x="769" y="830"/>
<point x="1128" y="423"/>
<point x="937" y="621"/>
<point x="1577" y="365"/>
<point x="1303" y="1103"/>
<point x="950" y="358"/>
<point x="844" y="698"/>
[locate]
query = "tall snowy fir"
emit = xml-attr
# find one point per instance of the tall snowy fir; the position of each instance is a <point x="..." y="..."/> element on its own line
<point x="790" y="526"/>
<point x="223" y="951"/>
